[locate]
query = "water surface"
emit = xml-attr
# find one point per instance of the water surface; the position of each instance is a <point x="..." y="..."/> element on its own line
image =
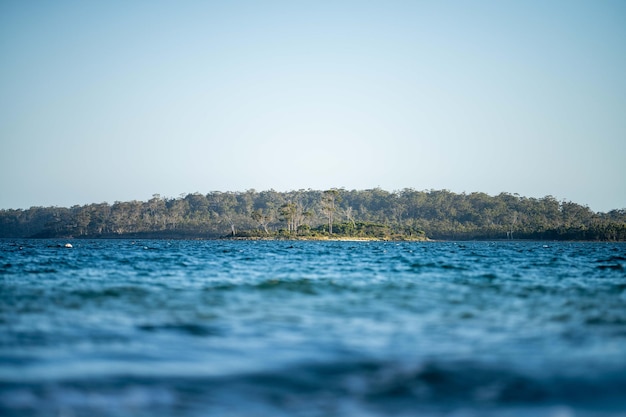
<point x="197" y="328"/>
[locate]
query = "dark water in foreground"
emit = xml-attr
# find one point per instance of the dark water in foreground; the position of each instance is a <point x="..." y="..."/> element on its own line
<point x="215" y="328"/>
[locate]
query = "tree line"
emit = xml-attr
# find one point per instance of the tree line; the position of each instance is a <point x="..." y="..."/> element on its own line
<point x="374" y="213"/>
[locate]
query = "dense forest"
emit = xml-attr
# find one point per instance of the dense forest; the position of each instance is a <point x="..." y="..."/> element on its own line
<point x="374" y="213"/>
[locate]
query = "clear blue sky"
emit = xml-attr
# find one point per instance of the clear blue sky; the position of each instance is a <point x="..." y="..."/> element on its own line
<point x="119" y="100"/>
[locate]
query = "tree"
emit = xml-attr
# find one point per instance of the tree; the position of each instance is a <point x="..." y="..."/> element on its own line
<point x="402" y="214"/>
<point x="329" y="200"/>
<point x="156" y="213"/>
<point x="176" y="213"/>
<point x="223" y="205"/>
<point x="349" y="213"/>
<point x="289" y="212"/>
<point x="263" y="217"/>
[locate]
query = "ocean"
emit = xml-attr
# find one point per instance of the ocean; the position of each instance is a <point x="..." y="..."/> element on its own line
<point x="312" y="328"/>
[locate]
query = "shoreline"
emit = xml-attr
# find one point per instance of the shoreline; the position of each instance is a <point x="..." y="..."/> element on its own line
<point x="325" y="239"/>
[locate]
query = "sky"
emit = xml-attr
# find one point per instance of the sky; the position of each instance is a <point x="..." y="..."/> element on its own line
<point x="119" y="100"/>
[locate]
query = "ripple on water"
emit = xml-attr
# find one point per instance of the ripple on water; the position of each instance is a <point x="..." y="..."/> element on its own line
<point x="194" y="328"/>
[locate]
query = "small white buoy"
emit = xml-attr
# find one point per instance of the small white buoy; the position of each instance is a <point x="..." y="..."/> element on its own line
<point x="68" y="245"/>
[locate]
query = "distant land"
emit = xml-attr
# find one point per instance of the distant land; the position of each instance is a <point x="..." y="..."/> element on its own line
<point x="322" y="214"/>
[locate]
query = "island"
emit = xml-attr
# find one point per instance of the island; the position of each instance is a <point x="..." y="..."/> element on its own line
<point x="372" y="214"/>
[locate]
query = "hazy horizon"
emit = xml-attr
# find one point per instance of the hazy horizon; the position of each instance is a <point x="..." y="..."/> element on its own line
<point x="117" y="101"/>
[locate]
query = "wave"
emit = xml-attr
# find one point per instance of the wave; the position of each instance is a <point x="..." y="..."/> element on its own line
<point x="340" y="388"/>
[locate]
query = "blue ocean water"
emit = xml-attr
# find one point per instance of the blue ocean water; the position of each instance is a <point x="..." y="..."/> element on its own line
<point x="280" y="328"/>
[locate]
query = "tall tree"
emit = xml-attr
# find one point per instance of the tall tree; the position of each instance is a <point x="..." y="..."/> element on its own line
<point x="263" y="217"/>
<point x="329" y="200"/>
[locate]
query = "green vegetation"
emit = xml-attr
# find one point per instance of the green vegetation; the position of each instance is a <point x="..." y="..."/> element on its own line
<point x="309" y="214"/>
